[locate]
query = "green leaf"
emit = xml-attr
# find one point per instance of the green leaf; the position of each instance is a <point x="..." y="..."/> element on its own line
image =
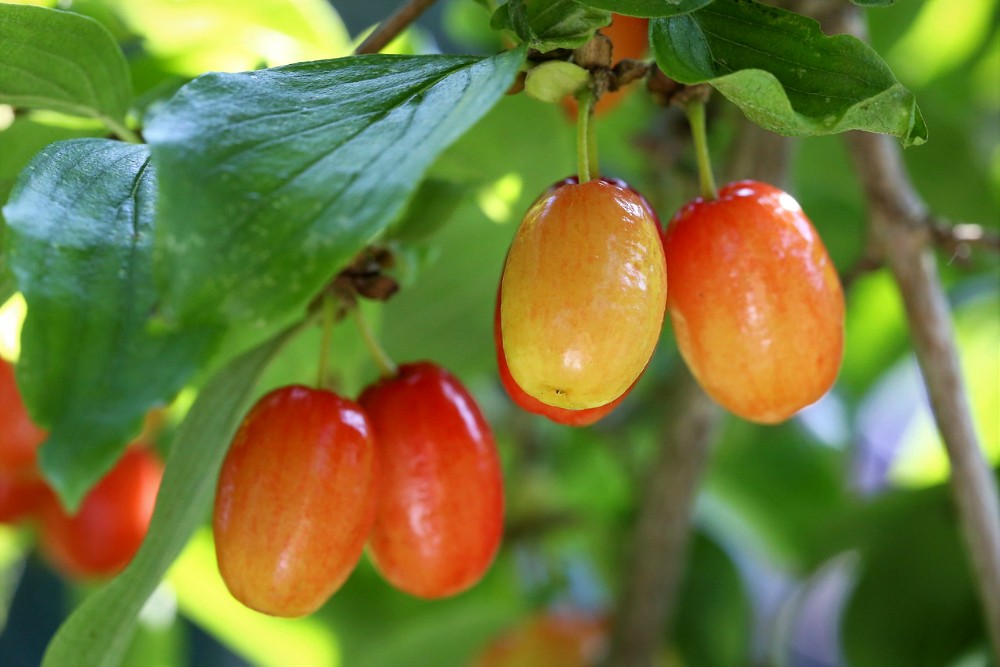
<point x="648" y="8"/>
<point x="80" y="233"/>
<point x="431" y="207"/>
<point x="784" y="73"/>
<point x="98" y="632"/>
<point x="874" y="3"/>
<point x="65" y="62"/>
<point x="271" y="181"/>
<point x="546" y="25"/>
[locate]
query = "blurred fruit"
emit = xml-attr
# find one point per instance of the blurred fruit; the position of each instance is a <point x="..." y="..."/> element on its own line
<point x="755" y="302"/>
<point x="22" y="494"/>
<point x="629" y="37"/>
<point x="295" y="500"/>
<point x="19" y="436"/>
<point x="583" y="294"/>
<point x="556" y="639"/>
<point x="440" y="490"/>
<point x="103" y="536"/>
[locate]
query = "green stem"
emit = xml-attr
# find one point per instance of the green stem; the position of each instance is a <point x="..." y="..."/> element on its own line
<point x="586" y="145"/>
<point x="328" y="316"/>
<point x="121" y="130"/>
<point x="696" y="117"/>
<point x="385" y="364"/>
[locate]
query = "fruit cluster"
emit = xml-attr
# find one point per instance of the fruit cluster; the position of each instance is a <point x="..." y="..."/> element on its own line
<point x="755" y="302"/>
<point x="411" y="469"/>
<point x="103" y="535"/>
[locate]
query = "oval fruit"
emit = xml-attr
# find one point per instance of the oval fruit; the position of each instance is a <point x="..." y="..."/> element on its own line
<point x="566" y="639"/>
<point x="19" y="436"/>
<point x="295" y="500"/>
<point x="755" y="301"/>
<point x="22" y="494"/>
<point x="103" y="536"/>
<point x="583" y="294"/>
<point x="440" y="498"/>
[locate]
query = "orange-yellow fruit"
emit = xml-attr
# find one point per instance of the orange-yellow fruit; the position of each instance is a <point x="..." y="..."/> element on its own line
<point x="755" y="301"/>
<point x="583" y="294"/>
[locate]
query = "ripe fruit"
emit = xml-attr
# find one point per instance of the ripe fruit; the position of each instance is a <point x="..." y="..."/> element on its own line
<point x="21" y="495"/>
<point x="755" y="302"/>
<point x="583" y="294"/>
<point x="566" y="639"/>
<point x="101" y="538"/>
<point x="629" y="37"/>
<point x="19" y="437"/>
<point x="295" y="500"/>
<point x="440" y="495"/>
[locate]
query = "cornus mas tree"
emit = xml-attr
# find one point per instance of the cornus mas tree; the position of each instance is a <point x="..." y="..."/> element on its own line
<point x="236" y="215"/>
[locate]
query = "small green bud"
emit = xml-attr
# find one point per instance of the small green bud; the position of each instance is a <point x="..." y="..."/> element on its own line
<point x="551" y="81"/>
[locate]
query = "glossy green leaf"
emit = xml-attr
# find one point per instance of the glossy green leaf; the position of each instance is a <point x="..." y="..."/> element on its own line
<point x="272" y="180"/>
<point x="80" y="233"/>
<point x="546" y="25"/>
<point x="98" y="632"/>
<point x="784" y="73"/>
<point x="66" y="62"/>
<point x="648" y="8"/>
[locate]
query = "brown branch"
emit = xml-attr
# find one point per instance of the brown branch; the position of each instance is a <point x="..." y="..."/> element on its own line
<point x="662" y="531"/>
<point x="898" y="218"/>
<point x="390" y="28"/>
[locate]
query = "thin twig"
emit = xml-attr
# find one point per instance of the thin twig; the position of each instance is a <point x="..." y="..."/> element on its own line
<point x="392" y="26"/>
<point x="898" y="218"/>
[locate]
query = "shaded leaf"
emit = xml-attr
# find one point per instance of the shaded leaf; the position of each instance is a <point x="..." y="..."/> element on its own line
<point x="80" y="233"/>
<point x="784" y="73"/>
<point x="546" y="25"/>
<point x="98" y="632"/>
<point x="296" y="168"/>
<point x="648" y="8"/>
<point x="66" y="62"/>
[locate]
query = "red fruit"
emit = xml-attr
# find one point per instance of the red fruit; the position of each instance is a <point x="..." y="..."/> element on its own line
<point x="583" y="294"/>
<point x="568" y="639"/>
<point x="295" y="500"/>
<point x="19" y="437"/>
<point x="755" y="302"/>
<point x="103" y="536"/>
<point x="440" y="497"/>
<point x="22" y="494"/>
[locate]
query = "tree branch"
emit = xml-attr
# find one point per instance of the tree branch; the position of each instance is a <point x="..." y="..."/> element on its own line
<point x="390" y="28"/>
<point x="900" y="229"/>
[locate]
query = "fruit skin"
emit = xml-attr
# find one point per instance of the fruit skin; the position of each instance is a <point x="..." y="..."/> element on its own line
<point x="19" y="436"/>
<point x="22" y="495"/>
<point x="583" y="294"/>
<point x="566" y="639"/>
<point x="755" y="301"/>
<point x="103" y="536"/>
<point x="295" y="500"/>
<point x="440" y="499"/>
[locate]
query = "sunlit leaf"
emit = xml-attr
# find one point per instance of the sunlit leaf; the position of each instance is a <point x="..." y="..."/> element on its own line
<point x="296" y="168"/>
<point x="551" y="24"/>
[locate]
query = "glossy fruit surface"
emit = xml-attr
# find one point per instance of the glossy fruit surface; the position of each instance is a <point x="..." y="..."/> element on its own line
<point x="755" y="302"/>
<point x="629" y="37"/>
<point x="295" y="500"/>
<point x="567" y="639"/>
<point x="583" y="294"/>
<point x="101" y="538"/>
<point x="440" y="498"/>
<point x="22" y="494"/>
<point x="19" y="436"/>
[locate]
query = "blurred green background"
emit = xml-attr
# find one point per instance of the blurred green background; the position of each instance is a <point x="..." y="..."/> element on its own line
<point x="827" y="540"/>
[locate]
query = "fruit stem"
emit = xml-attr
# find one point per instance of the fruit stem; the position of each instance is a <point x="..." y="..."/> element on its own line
<point x="586" y="139"/>
<point x="384" y="362"/>
<point x="695" y="110"/>
<point x="328" y="316"/>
